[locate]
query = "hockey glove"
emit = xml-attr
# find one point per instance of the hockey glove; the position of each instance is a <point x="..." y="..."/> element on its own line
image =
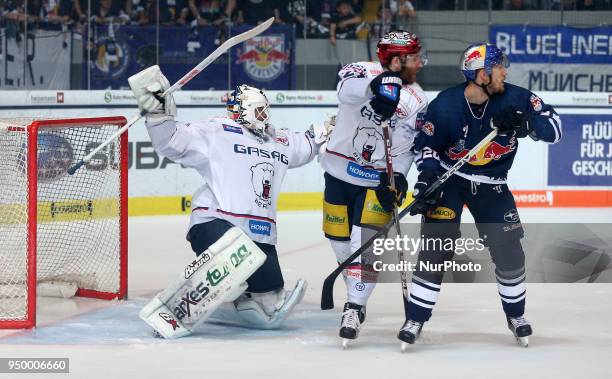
<point x="512" y="120"/>
<point x="388" y="197"/>
<point x="148" y="85"/>
<point x="386" y="89"/>
<point x="423" y="204"/>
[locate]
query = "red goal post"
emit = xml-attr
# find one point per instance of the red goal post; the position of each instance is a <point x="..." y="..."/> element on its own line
<point x="68" y="234"/>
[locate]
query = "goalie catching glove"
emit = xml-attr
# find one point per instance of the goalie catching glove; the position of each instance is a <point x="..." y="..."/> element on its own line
<point x="390" y="197"/>
<point x="148" y="86"/>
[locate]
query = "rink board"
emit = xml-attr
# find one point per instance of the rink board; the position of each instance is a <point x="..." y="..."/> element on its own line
<point x="159" y="186"/>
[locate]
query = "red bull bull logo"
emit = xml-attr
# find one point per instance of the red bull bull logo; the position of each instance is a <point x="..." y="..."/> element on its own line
<point x="476" y="55"/>
<point x="491" y="152"/>
<point x="264" y="57"/>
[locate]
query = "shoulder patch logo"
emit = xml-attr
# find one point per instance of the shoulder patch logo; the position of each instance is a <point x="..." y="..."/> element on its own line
<point x="353" y="70"/>
<point x="281" y="137"/>
<point x="400" y="112"/>
<point x="536" y="103"/>
<point x="232" y="128"/>
<point x="428" y="128"/>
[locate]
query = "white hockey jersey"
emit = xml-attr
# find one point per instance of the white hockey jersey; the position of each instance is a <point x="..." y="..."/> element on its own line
<point x="355" y="152"/>
<point x="242" y="174"/>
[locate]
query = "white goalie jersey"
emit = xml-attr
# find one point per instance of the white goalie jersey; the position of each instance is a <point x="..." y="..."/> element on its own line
<point x="355" y="151"/>
<point x="242" y="174"/>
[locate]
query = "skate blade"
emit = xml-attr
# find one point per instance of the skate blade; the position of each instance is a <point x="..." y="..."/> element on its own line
<point x="404" y="347"/>
<point x="523" y="341"/>
<point x="345" y="343"/>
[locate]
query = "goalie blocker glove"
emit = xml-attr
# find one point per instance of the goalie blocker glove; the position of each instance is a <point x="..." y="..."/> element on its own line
<point x="386" y="89"/>
<point x="388" y="197"/>
<point x="148" y="86"/>
<point x="512" y="120"/>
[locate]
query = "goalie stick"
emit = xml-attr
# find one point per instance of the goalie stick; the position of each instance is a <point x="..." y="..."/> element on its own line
<point x="327" y="294"/>
<point x="176" y="86"/>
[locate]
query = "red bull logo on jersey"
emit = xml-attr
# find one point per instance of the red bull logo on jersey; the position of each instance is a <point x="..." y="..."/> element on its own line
<point x="491" y="152"/>
<point x="264" y="57"/>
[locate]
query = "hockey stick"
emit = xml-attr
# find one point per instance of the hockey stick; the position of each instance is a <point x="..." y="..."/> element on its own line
<point x="396" y="220"/>
<point x="225" y="46"/>
<point x="327" y="294"/>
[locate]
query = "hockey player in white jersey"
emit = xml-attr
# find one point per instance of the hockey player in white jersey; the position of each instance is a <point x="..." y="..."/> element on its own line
<point x="357" y="191"/>
<point x="242" y="160"/>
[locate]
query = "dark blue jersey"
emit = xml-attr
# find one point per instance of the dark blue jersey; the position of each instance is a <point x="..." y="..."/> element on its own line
<point x="451" y="129"/>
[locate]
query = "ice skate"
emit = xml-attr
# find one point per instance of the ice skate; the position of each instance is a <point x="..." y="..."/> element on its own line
<point x="521" y="330"/>
<point x="409" y="333"/>
<point x="353" y="316"/>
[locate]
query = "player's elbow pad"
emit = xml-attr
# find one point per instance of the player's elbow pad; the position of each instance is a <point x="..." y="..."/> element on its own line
<point x="548" y="128"/>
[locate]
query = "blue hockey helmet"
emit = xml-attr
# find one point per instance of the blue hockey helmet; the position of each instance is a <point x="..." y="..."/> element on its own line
<point x="481" y="56"/>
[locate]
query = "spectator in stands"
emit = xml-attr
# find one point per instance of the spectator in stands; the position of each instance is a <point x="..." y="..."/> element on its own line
<point x="403" y="8"/>
<point x="152" y="14"/>
<point x="327" y="9"/>
<point x="107" y="11"/>
<point x="357" y="6"/>
<point x="385" y="22"/>
<point x="388" y="17"/>
<point x="58" y="11"/>
<point x="80" y="11"/>
<point x="344" y="22"/>
<point x="208" y="12"/>
<point x="16" y="11"/>
<point x="253" y="12"/>
<point x="305" y="15"/>
<point x="180" y="10"/>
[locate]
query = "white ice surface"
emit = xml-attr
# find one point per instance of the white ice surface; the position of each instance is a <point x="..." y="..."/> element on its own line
<point x="466" y="337"/>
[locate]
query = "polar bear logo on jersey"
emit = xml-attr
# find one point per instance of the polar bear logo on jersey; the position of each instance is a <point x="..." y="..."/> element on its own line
<point x="366" y="142"/>
<point x="262" y="175"/>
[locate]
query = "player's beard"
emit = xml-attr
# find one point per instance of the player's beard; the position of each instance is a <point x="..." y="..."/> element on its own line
<point x="496" y="88"/>
<point x="408" y="75"/>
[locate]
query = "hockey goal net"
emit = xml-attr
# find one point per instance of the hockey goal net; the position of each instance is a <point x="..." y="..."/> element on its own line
<point x="66" y="233"/>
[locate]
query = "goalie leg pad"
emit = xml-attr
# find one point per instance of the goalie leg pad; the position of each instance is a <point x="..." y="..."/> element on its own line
<point x="249" y="311"/>
<point x="219" y="274"/>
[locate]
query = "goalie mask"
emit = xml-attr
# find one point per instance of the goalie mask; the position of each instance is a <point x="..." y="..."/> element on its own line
<point x="249" y="107"/>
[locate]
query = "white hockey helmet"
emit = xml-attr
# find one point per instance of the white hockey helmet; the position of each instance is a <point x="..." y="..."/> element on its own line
<point x="248" y="106"/>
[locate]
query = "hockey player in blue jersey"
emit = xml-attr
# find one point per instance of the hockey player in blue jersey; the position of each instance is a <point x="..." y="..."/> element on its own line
<point x="459" y="118"/>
